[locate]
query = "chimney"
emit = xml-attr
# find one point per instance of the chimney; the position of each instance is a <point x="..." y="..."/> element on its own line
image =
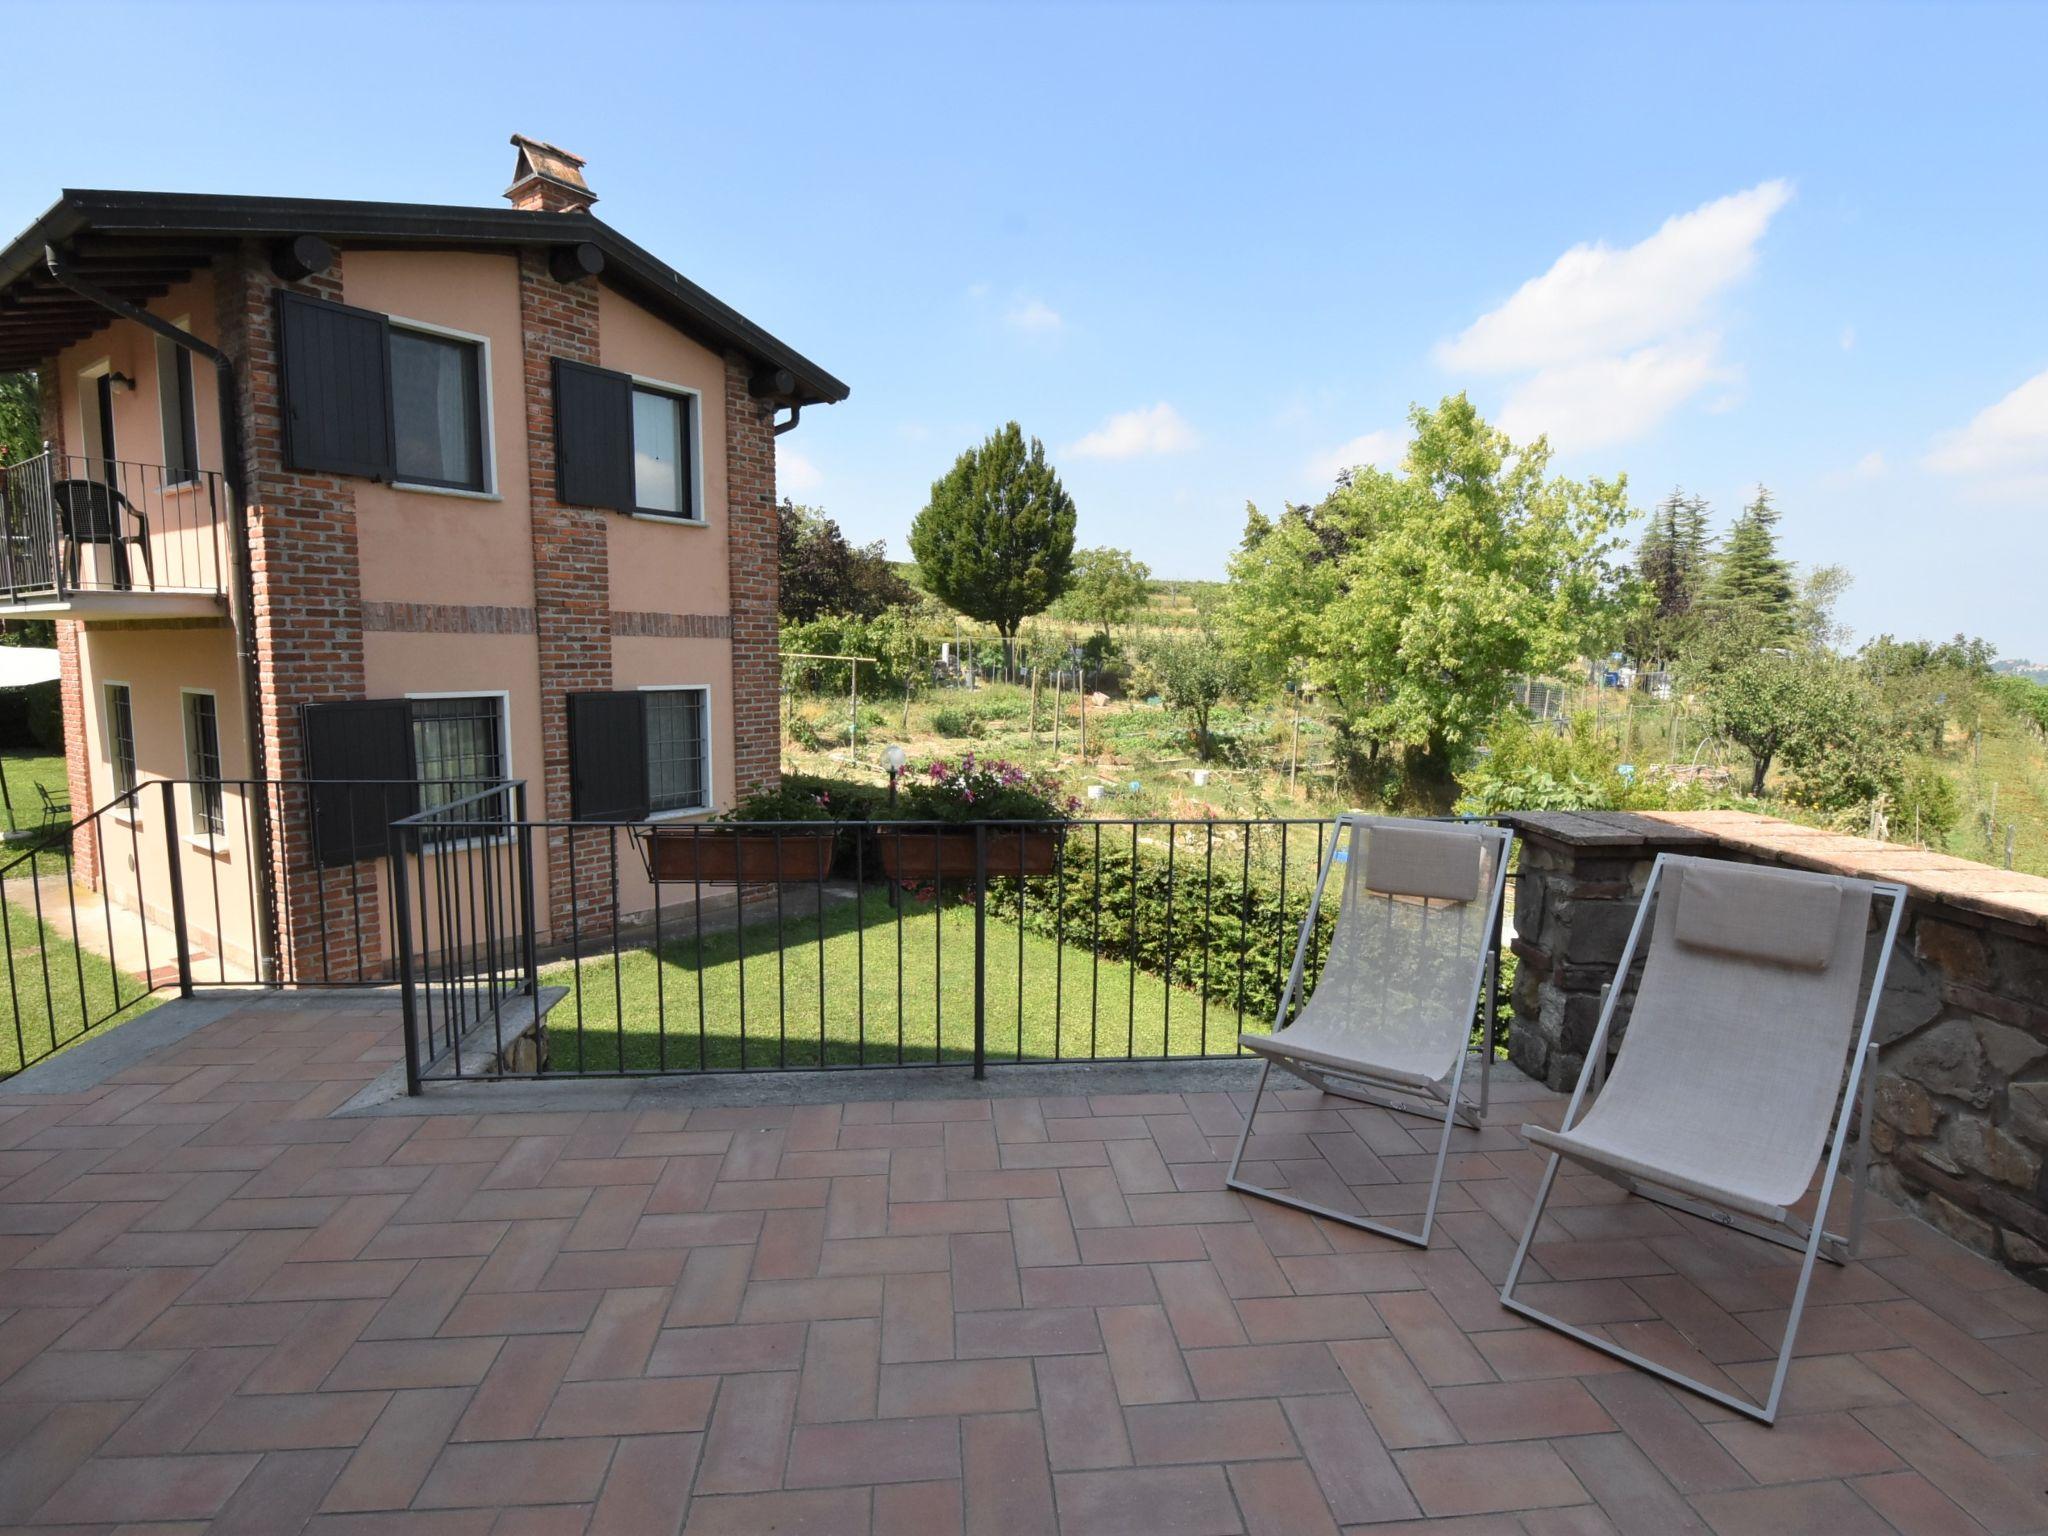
<point x="547" y="179"/>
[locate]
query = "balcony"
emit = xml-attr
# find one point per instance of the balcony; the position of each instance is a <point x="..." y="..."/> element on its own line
<point x="92" y="538"/>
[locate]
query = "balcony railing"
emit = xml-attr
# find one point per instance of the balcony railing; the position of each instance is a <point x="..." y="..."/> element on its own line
<point x="72" y="525"/>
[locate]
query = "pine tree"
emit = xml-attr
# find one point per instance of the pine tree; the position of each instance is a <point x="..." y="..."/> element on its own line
<point x="1752" y="584"/>
<point x="996" y="540"/>
<point x="1671" y="564"/>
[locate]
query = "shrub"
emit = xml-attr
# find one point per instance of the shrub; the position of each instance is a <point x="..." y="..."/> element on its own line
<point x="956" y="720"/>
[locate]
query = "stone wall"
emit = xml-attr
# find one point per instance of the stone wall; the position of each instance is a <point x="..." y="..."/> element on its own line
<point x="1961" y="1132"/>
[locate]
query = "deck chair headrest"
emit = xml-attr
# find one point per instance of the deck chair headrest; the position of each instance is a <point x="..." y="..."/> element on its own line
<point x="1775" y="915"/>
<point x="1424" y="859"/>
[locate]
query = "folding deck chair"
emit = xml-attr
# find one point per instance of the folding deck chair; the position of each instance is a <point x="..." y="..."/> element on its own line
<point x="1724" y="1092"/>
<point x="1390" y="1021"/>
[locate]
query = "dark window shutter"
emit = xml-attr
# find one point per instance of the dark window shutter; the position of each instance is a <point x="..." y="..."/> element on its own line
<point x="686" y="469"/>
<point x="337" y="387"/>
<point x="593" y="436"/>
<point x="358" y="739"/>
<point x="608" y="756"/>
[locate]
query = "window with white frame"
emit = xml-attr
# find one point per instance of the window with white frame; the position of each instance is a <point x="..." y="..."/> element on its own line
<point x="202" y="764"/>
<point x="678" y="749"/>
<point x="120" y="736"/>
<point x="437" y="409"/>
<point x="176" y="408"/>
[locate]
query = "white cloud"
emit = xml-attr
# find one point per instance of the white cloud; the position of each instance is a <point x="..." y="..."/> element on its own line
<point x="1382" y="449"/>
<point x="1034" y="317"/>
<point x="1137" y="434"/>
<point x="1871" y="466"/>
<point x="1604" y="400"/>
<point x="1607" y="342"/>
<point x="794" y="473"/>
<point x="1848" y="338"/>
<point x="2005" y="446"/>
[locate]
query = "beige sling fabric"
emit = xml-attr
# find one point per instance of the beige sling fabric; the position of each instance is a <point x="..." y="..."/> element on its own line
<point x="1728" y="1074"/>
<point x="1394" y="998"/>
<point x="1425" y="859"/>
<point x="1754" y="913"/>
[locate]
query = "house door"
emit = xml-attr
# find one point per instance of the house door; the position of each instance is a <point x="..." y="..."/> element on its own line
<point x="96" y="406"/>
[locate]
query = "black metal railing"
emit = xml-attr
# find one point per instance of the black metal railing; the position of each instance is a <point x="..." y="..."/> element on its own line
<point x="71" y="524"/>
<point x="696" y="947"/>
<point x="160" y="892"/>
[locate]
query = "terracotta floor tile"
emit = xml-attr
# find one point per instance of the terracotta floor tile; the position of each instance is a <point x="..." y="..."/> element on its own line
<point x="879" y="1451"/>
<point x="1188" y="1501"/>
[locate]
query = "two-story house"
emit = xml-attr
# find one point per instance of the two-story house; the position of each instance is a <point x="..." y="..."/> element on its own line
<point x="385" y="491"/>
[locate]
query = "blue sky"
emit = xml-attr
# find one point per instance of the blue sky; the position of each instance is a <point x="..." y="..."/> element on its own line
<point x="1210" y="252"/>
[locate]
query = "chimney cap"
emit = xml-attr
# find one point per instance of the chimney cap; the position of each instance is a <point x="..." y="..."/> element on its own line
<point x="540" y="161"/>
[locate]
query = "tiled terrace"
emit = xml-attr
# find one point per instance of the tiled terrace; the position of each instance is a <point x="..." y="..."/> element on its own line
<point x="222" y="1308"/>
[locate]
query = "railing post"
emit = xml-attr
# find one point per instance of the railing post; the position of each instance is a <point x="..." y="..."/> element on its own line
<point x="522" y="844"/>
<point x="980" y="946"/>
<point x="401" y="920"/>
<point x="177" y="872"/>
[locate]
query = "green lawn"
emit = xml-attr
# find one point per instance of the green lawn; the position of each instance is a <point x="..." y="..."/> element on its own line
<point x="24" y="771"/>
<point x="2008" y="780"/>
<point x="51" y="992"/>
<point x="861" y="1013"/>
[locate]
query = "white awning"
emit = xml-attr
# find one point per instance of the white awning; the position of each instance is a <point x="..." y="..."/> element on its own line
<point x="23" y="666"/>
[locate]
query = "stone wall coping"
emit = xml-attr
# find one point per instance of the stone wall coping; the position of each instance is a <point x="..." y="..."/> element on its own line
<point x="1939" y="877"/>
<point x="1605" y="829"/>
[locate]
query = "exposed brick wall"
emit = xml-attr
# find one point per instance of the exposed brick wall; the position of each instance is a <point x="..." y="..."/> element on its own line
<point x="672" y="626"/>
<point x="447" y="619"/>
<point x="307" y="624"/>
<point x="753" y="558"/>
<point x="571" y="582"/>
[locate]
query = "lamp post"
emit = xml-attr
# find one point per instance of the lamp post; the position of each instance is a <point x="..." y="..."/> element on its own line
<point x="892" y="759"/>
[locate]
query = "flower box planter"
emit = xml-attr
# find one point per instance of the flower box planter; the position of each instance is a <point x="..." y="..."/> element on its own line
<point x="924" y="855"/>
<point x="731" y="855"/>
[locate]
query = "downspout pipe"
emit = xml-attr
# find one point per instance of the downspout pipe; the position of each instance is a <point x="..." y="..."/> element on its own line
<point x="235" y="468"/>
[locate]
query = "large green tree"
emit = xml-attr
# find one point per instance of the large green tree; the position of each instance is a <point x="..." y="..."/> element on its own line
<point x="1672" y="563"/>
<point x="823" y="574"/>
<point x="1752" y="584"/>
<point x="21" y="418"/>
<point x="1410" y="601"/>
<point x="996" y="540"/>
<point x="1108" y="588"/>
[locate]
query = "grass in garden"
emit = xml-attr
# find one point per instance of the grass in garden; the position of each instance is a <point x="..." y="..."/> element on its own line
<point x="24" y="771"/>
<point x="44" y="1007"/>
<point x="1042" y="998"/>
<point x="2015" y="760"/>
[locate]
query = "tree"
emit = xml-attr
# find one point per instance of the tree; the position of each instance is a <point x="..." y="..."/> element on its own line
<point x="823" y="574"/>
<point x="1409" y="602"/>
<point x="1195" y="670"/>
<point x="1671" y="568"/>
<point x="1751" y="582"/>
<point x="1108" y="588"/>
<point x="21" y="418"/>
<point x="996" y="540"/>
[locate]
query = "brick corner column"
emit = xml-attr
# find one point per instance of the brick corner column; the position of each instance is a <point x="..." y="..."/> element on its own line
<point x="571" y="586"/>
<point x="71" y="700"/>
<point x="307" y="621"/>
<point x="753" y="558"/>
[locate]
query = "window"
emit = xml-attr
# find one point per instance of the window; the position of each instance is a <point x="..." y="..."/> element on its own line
<point x="405" y="402"/>
<point x="661" y="454"/>
<point x="174" y="405"/>
<point x="202" y="764"/>
<point x="458" y="746"/>
<point x="678" y="770"/>
<point x="640" y="753"/>
<point x="624" y="443"/>
<point x="437" y="408"/>
<point x="120" y="737"/>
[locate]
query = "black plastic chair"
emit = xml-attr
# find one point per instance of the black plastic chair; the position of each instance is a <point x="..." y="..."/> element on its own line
<point x="89" y="512"/>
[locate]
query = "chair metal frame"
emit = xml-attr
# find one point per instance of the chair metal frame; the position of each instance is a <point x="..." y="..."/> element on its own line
<point x="1360" y="1085"/>
<point x="1811" y="1239"/>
